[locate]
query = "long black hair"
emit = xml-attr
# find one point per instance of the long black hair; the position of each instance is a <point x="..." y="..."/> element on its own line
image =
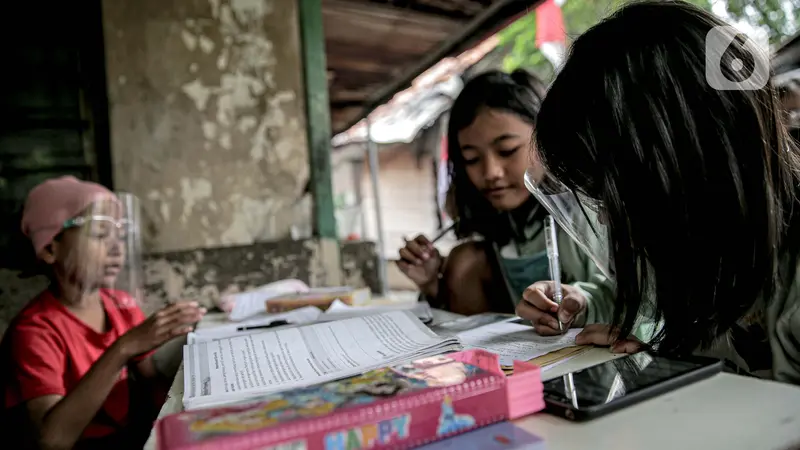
<point x="518" y="93"/>
<point x="699" y="185"/>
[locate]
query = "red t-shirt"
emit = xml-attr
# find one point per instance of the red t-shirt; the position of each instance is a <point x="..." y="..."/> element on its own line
<point x="51" y="350"/>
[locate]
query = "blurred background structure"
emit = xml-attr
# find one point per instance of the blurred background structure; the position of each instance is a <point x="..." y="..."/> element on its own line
<point x="267" y="139"/>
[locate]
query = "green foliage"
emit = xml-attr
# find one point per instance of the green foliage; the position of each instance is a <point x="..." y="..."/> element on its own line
<point x="768" y="14"/>
<point x="579" y="15"/>
<point x="521" y="37"/>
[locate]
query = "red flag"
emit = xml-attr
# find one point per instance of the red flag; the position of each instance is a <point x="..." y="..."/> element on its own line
<point x="443" y="178"/>
<point x="549" y="24"/>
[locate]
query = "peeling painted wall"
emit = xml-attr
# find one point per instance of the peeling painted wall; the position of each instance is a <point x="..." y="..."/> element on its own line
<point x="207" y="118"/>
<point x="206" y="275"/>
<point x="203" y="275"/>
<point x="208" y="130"/>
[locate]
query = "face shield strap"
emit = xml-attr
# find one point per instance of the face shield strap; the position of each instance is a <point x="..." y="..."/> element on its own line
<point x="82" y="220"/>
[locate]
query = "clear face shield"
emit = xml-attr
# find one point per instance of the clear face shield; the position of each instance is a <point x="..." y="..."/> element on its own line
<point x="578" y="215"/>
<point x="101" y="249"/>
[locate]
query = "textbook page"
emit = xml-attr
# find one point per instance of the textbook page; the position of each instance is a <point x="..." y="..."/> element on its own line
<point x="340" y="310"/>
<point x="469" y="323"/>
<point x="513" y="341"/>
<point x="239" y="368"/>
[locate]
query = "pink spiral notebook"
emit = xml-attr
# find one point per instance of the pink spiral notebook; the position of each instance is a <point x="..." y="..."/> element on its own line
<point x="396" y="407"/>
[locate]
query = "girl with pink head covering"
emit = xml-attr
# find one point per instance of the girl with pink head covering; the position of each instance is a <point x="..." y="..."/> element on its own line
<point x="72" y="349"/>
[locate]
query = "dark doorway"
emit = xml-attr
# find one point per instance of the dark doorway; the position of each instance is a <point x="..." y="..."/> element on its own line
<point x="53" y="104"/>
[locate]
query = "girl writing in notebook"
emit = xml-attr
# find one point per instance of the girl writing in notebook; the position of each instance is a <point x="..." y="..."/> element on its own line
<point x="69" y="356"/>
<point x="503" y="253"/>
<point x="692" y="175"/>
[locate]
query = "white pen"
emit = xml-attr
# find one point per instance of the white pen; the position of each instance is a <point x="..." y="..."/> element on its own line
<point x="554" y="263"/>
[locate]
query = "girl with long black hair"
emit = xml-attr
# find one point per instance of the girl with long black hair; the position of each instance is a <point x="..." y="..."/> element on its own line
<point x="674" y="140"/>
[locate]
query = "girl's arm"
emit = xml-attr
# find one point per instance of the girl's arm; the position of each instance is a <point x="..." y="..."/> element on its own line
<point x="60" y="417"/>
<point x="61" y="420"/>
<point x="462" y="289"/>
<point x="430" y="291"/>
<point x="147" y="368"/>
<point x="598" y="290"/>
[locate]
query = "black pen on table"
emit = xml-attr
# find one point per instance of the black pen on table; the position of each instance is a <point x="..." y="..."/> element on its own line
<point x="273" y="324"/>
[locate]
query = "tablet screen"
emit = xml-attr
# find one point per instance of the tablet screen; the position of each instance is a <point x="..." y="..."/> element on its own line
<point x="603" y="383"/>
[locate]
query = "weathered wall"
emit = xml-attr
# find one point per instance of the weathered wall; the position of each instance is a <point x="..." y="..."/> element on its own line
<point x="207" y="118"/>
<point x="203" y="275"/>
<point x="207" y="128"/>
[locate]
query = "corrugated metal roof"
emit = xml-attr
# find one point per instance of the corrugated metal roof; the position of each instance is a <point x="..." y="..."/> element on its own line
<point x="414" y="109"/>
<point x="375" y="48"/>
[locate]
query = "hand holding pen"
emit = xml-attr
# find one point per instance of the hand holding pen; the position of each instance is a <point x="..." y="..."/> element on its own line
<point x="421" y="262"/>
<point x="538" y="307"/>
<point x="550" y="306"/>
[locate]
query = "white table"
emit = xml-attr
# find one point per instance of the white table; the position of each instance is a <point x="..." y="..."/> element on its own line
<point x="726" y="412"/>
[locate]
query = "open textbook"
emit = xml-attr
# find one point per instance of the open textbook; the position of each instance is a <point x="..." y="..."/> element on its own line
<point x="505" y="336"/>
<point x="232" y="369"/>
<point x="241" y="368"/>
<point x="306" y="315"/>
<point x="515" y="342"/>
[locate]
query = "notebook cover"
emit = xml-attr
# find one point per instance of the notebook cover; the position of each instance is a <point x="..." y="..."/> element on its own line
<point x="500" y="436"/>
<point x="400" y="407"/>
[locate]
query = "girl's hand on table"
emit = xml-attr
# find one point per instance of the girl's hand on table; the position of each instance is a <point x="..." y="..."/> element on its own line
<point x="603" y="335"/>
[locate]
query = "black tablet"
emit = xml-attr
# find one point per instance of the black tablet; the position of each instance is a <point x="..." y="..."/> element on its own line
<point x="622" y="382"/>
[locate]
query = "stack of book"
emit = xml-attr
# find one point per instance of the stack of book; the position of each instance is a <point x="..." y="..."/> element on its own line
<point x="401" y="406"/>
<point x="381" y="380"/>
<point x="242" y="368"/>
